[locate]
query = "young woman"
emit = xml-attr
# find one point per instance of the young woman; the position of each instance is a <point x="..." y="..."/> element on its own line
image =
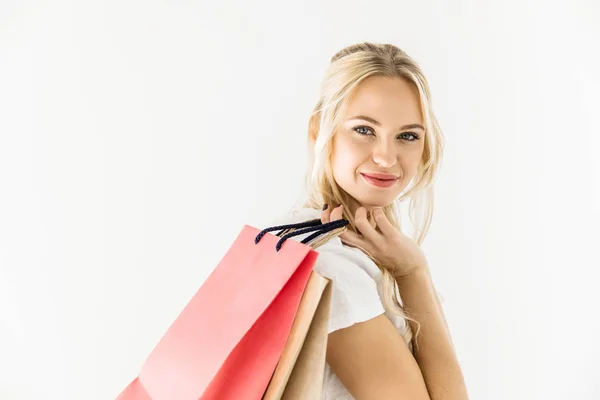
<point x="374" y="141"/>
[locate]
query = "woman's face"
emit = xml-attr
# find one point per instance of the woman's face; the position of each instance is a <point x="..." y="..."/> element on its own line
<point x="381" y="132"/>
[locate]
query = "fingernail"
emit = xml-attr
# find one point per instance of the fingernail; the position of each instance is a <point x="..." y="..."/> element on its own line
<point x="325" y="206"/>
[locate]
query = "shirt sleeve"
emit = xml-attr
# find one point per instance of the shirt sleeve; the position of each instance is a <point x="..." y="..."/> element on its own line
<point x="354" y="295"/>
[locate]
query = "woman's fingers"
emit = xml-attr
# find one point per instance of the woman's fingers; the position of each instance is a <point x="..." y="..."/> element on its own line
<point x="384" y="225"/>
<point x="352" y="238"/>
<point x="372" y="220"/>
<point x="337" y="213"/>
<point x="325" y="215"/>
<point x="348" y="237"/>
<point x="329" y="215"/>
<point x="364" y="225"/>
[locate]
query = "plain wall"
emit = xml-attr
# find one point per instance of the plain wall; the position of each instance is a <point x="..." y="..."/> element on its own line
<point x="138" y="137"/>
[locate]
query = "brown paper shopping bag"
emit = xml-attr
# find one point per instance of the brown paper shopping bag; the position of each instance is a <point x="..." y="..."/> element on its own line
<point x="299" y="373"/>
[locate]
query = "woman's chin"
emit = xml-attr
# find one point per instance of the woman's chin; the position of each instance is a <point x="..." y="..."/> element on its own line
<point x="375" y="202"/>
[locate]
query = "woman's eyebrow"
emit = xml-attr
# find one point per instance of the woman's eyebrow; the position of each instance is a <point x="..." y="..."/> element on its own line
<point x="377" y="123"/>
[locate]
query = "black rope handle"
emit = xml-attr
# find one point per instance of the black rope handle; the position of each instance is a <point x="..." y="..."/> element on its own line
<point x="314" y="225"/>
<point x="325" y="229"/>
<point x="312" y="222"/>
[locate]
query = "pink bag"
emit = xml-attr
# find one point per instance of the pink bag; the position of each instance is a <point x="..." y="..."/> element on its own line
<point x="228" y="342"/>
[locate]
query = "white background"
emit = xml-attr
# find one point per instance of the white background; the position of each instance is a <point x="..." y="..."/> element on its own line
<point x="137" y="137"/>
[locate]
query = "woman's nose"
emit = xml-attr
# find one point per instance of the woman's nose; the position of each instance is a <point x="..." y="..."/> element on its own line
<point x="384" y="155"/>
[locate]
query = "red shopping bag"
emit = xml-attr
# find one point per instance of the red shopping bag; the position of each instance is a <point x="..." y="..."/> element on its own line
<point x="227" y="341"/>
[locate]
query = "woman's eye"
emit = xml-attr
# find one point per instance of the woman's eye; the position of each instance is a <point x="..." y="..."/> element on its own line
<point x="362" y="130"/>
<point x="414" y="136"/>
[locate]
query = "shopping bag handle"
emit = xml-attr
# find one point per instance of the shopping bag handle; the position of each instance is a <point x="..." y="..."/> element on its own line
<point x="314" y="225"/>
<point x="325" y="228"/>
<point x="313" y="222"/>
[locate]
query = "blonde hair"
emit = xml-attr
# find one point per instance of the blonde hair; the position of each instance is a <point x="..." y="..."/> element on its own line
<point x="348" y="68"/>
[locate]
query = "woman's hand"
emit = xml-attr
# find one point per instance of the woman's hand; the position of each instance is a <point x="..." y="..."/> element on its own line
<point x="382" y="241"/>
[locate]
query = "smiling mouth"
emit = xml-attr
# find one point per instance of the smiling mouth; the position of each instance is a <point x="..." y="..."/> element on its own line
<point x="379" y="182"/>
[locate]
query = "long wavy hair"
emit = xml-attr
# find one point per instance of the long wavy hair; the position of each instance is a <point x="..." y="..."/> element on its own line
<point x="348" y="68"/>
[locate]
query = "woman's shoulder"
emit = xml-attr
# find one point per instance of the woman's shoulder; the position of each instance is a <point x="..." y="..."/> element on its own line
<point x="354" y="276"/>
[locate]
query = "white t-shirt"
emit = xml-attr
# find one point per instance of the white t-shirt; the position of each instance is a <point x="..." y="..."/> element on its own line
<point x="356" y="291"/>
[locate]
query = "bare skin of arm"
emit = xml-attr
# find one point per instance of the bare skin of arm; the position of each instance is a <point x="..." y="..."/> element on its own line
<point x="434" y="351"/>
<point x="373" y="362"/>
<point x="371" y="358"/>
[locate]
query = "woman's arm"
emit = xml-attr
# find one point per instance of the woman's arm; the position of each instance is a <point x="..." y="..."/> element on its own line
<point x="374" y="363"/>
<point x="433" y="351"/>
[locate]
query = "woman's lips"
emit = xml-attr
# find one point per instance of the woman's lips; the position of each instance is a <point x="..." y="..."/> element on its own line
<point x="380" y="180"/>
